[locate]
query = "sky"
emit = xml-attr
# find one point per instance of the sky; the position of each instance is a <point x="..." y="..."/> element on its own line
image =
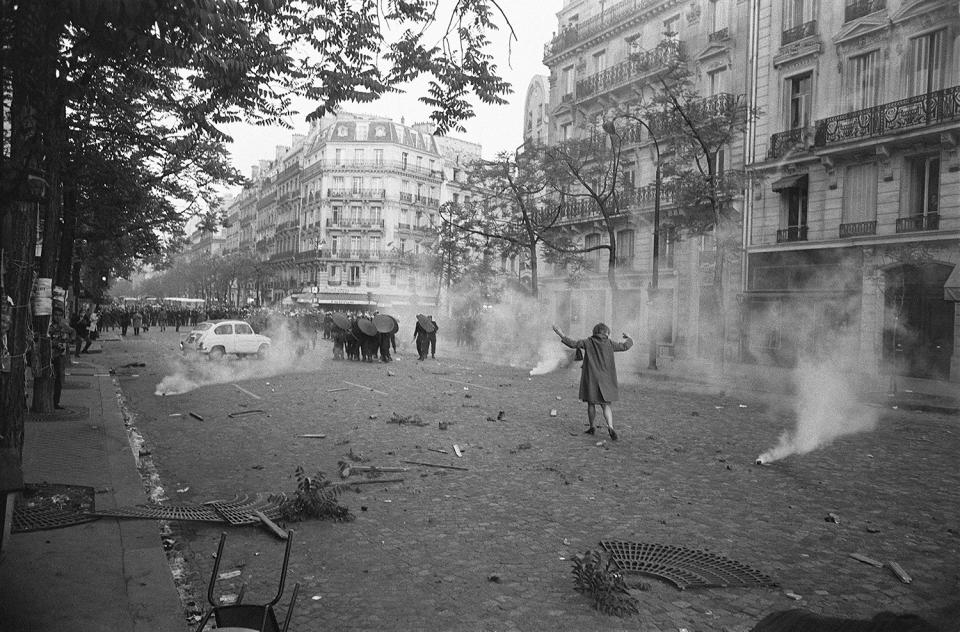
<point x="495" y="128"/>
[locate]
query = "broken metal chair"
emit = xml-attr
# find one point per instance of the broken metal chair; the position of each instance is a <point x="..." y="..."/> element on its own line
<point x="241" y="616"/>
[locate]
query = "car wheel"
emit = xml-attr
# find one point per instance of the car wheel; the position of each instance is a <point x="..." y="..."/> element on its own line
<point x="263" y="351"/>
<point x="216" y="353"/>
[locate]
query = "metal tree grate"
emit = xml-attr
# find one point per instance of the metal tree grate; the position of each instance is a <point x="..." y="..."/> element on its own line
<point x="52" y="506"/>
<point x="239" y="511"/>
<point x="684" y="568"/>
<point x="195" y="513"/>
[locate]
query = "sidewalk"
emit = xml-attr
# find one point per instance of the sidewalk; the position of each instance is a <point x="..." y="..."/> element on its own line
<point x="103" y="575"/>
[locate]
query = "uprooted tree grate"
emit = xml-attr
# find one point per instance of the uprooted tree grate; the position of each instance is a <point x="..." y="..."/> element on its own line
<point x="315" y="497"/>
<point x="601" y="581"/>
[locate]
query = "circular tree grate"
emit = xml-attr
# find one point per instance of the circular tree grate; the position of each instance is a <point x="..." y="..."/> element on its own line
<point x="51" y="506"/>
<point x="239" y="511"/>
<point x="684" y="568"/>
<point x="196" y="513"/>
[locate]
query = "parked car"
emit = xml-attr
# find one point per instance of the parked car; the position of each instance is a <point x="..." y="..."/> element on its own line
<point x="218" y="338"/>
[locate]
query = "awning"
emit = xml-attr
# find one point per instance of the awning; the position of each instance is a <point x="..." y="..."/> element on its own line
<point x="951" y="287"/>
<point x="790" y="182"/>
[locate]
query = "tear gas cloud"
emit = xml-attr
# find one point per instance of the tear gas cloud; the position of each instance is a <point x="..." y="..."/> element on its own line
<point x="288" y="354"/>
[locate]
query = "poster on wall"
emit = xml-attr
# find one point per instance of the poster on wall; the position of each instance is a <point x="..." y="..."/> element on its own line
<point x="42" y="299"/>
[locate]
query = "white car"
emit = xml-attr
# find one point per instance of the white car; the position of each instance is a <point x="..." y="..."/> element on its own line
<point x="220" y="337"/>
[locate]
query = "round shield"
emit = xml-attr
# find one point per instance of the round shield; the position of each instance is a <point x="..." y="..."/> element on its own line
<point x="366" y="326"/>
<point x="425" y="323"/>
<point x="396" y="325"/>
<point x="341" y="321"/>
<point x="384" y="323"/>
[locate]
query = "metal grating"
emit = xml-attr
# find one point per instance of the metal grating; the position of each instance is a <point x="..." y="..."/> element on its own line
<point x="684" y="568"/>
<point x="195" y="513"/>
<point x="51" y="506"/>
<point x="67" y="413"/>
<point x="239" y="511"/>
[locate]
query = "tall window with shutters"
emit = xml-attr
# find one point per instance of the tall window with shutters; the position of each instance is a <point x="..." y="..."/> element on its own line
<point x="859" y="213"/>
<point x="799" y="93"/>
<point x="927" y="56"/>
<point x="864" y="87"/>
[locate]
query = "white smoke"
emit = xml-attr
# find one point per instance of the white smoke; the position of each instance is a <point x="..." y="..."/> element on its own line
<point x="553" y="355"/>
<point x="288" y="354"/>
<point x="827" y="408"/>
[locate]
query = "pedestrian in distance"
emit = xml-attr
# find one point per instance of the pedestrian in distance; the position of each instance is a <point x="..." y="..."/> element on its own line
<point x="598" y="374"/>
<point x="421" y="336"/>
<point x="433" y="337"/>
<point x="137" y="321"/>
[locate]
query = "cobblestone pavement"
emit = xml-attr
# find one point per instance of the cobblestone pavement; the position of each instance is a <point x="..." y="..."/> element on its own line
<point x="489" y="548"/>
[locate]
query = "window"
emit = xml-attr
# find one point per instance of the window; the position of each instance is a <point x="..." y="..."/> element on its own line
<point x="921" y="186"/>
<point x="926" y="63"/>
<point x="796" y="13"/>
<point x="243" y="328"/>
<point x="864" y="77"/>
<point x="718" y="81"/>
<point x="354" y="278"/>
<point x="404" y="157"/>
<point x="337" y="214"/>
<point x="375" y="246"/>
<point x="718" y="14"/>
<point x="339" y="184"/>
<point x="357" y="184"/>
<point x="376" y="184"/>
<point x="625" y="245"/>
<point x="376" y="213"/>
<point x="565" y="132"/>
<point x="419" y="163"/>
<point x="793" y="205"/>
<point x="338" y="156"/>
<point x="378" y="156"/>
<point x="860" y="194"/>
<point x="223" y="330"/>
<point x="593" y="257"/>
<point x="373" y="275"/>
<point x="600" y="61"/>
<point x="719" y="162"/>
<point x="358" y="156"/>
<point x="568" y="80"/>
<point x="356" y="213"/>
<point x="335" y="245"/>
<point x="668" y="240"/>
<point x="355" y="245"/>
<point x="799" y="91"/>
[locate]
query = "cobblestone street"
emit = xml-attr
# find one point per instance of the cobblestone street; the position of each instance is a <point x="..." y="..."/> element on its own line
<point x="489" y="547"/>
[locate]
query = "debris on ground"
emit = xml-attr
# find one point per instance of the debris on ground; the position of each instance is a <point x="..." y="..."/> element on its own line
<point x="196" y="416"/>
<point x="246" y="412"/>
<point x="867" y="560"/>
<point x="832" y="517"/>
<point x="313" y="436"/>
<point x="402" y="420"/>
<point x="446" y="467"/>
<point x="438" y="450"/>
<point x="553" y="412"/>
<point x="792" y="595"/>
<point x="456" y="450"/>
<point x="602" y="582"/>
<point x="443" y="425"/>
<point x="899" y="572"/>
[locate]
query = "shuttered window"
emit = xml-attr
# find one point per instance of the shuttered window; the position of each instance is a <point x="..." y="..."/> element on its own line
<point x="865" y="77"/>
<point x="860" y="193"/>
<point x="926" y="63"/>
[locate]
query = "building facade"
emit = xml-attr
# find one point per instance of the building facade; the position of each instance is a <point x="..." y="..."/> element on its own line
<point x="604" y="57"/>
<point x="344" y="217"/>
<point x="852" y="233"/>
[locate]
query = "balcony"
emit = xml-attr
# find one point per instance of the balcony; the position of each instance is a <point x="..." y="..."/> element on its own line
<point x="640" y="63"/>
<point x="406" y="197"/>
<point x="783" y="143"/>
<point x="353" y="283"/>
<point x="357" y="194"/>
<point x="334" y="282"/>
<point x="915" y="112"/>
<point x="918" y="223"/>
<point x="858" y="229"/>
<point x="793" y="233"/>
<point x="355" y="223"/>
<point x="573" y="35"/>
<point x="719" y="35"/>
<point x="797" y="33"/>
<point x="858" y="8"/>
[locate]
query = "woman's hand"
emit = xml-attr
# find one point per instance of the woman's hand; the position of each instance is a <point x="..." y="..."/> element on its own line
<point x="558" y="331"/>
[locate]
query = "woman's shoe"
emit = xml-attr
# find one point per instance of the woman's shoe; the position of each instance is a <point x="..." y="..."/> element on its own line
<point x="590" y="430"/>
<point x="613" y="434"/>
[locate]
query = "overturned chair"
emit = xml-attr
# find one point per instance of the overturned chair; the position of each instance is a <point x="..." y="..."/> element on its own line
<point x="241" y="616"/>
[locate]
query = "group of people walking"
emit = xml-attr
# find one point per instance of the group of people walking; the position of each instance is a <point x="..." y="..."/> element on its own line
<point x="369" y="337"/>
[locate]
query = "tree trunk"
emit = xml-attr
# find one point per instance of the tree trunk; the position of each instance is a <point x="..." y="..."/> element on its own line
<point x="534" y="272"/>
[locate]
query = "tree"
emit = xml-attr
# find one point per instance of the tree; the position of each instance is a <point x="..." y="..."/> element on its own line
<point x="194" y="67"/>
<point x="508" y="204"/>
<point x="588" y="180"/>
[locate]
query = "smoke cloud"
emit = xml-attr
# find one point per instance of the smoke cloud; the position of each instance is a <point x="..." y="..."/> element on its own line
<point x="289" y="353"/>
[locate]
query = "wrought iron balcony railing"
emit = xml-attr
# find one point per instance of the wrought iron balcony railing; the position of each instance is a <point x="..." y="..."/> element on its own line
<point x="792" y="233"/>
<point x="367" y="194"/>
<point x="719" y="35"/>
<point x="782" y="143"/>
<point x="917" y="223"/>
<point x="573" y="35"/>
<point x="914" y="112"/>
<point x="858" y="229"/>
<point x="858" y="8"/>
<point x="798" y="32"/>
<point x="344" y="222"/>
<point x="640" y="63"/>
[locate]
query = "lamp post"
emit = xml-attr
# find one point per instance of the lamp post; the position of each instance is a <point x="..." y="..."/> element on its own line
<point x="655" y="273"/>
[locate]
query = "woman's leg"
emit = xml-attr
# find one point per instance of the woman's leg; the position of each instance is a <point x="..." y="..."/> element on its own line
<point x="591" y="417"/>
<point x="608" y="417"/>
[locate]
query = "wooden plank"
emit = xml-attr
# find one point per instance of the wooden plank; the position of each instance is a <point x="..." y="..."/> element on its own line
<point x="866" y="560"/>
<point x="899" y="572"/>
<point x="369" y="481"/>
<point x="446" y="467"/>
<point x="270" y="524"/>
<point x="313" y="436"/>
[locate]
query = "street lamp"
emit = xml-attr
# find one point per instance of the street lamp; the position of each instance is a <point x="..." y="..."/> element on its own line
<point x="609" y="128"/>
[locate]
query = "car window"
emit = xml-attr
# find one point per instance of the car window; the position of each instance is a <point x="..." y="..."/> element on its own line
<point x="203" y="326"/>
<point x="244" y="328"/>
<point x="223" y="330"/>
